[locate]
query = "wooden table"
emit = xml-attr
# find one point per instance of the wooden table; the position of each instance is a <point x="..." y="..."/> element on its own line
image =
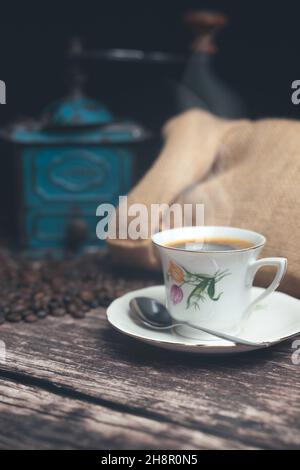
<point x="79" y="384"/>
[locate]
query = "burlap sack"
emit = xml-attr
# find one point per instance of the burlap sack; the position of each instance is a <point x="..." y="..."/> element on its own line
<point x="246" y="173"/>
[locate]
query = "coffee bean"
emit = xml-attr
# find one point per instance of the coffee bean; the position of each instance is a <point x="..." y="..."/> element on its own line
<point x="39" y="296"/>
<point x="72" y="285"/>
<point x="119" y="293"/>
<point x="56" y="283"/>
<point x="18" y="308"/>
<point x="87" y="296"/>
<point x="58" y="312"/>
<point x="31" y="318"/>
<point x="13" y="317"/>
<point x="78" y="314"/>
<point x="53" y="304"/>
<point x="26" y="313"/>
<point x="72" y="308"/>
<point x="41" y="313"/>
<point x="36" y="305"/>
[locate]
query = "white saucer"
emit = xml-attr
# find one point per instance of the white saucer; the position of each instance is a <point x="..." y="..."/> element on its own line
<point x="276" y="320"/>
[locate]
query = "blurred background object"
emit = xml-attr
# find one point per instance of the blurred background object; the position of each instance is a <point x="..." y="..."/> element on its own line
<point x="200" y="85"/>
<point x="141" y="63"/>
<point x="76" y="156"/>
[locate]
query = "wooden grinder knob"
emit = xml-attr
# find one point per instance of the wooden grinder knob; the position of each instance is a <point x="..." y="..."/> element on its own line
<point x="204" y="25"/>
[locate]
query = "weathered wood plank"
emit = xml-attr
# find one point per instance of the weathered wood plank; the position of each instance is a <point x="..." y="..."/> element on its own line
<point x="33" y="418"/>
<point x="251" y="399"/>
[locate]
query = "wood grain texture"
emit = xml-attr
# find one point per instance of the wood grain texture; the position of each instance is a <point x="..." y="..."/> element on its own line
<point x="244" y="401"/>
<point x="33" y="418"/>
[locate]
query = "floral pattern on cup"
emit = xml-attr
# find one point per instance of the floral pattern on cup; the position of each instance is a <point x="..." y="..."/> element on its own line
<point x="204" y="285"/>
<point x="176" y="294"/>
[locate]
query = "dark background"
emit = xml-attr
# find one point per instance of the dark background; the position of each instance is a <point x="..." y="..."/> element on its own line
<point x="259" y="56"/>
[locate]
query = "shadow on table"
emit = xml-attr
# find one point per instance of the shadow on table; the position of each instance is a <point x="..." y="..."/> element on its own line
<point x="132" y="351"/>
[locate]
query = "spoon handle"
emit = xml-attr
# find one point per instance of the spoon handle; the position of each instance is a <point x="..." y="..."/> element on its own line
<point x="232" y="339"/>
<point x="225" y="336"/>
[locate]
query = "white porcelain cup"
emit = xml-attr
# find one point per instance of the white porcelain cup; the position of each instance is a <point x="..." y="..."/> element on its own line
<point x="213" y="288"/>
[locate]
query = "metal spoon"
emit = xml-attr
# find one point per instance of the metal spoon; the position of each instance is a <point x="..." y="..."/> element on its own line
<point x="154" y="314"/>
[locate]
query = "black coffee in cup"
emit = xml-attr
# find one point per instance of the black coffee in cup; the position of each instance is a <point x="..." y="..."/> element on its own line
<point x="210" y="244"/>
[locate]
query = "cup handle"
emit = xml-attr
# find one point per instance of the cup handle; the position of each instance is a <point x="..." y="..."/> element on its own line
<point x="281" y="265"/>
